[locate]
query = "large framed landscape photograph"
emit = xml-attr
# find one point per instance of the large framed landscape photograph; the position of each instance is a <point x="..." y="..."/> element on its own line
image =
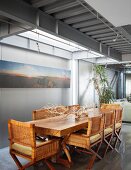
<point x="19" y="75"/>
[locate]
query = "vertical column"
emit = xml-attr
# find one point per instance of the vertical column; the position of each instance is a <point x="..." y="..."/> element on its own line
<point x="121" y="85"/>
<point x="75" y="78"/>
<point x="124" y="84"/>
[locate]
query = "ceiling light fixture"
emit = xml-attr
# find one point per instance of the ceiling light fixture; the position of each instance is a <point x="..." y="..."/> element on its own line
<point x="115" y="39"/>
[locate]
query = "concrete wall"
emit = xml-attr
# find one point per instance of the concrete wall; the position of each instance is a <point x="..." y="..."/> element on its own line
<point x="19" y="103"/>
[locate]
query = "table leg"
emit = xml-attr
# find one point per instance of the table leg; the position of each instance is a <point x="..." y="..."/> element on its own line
<point x="66" y="163"/>
<point x="65" y="148"/>
<point x="66" y="152"/>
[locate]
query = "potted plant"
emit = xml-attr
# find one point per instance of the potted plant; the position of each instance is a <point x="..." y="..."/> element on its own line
<point x="102" y="86"/>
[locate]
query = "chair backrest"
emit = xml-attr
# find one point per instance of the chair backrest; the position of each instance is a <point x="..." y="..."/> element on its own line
<point x="95" y="125"/>
<point x="109" y="118"/>
<point x="117" y="108"/>
<point x="41" y="114"/>
<point x="74" y="108"/>
<point x="22" y="133"/>
<point x="48" y="112"/>
<point x="110" y="106"/>
<point x="60" y="109"/>
<point x="118" y="115"/>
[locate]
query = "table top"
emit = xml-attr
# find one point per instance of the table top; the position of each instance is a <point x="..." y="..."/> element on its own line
<point x="63" y="125"/>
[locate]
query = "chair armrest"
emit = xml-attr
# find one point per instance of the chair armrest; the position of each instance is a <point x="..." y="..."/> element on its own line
<point x="47" y="142"/>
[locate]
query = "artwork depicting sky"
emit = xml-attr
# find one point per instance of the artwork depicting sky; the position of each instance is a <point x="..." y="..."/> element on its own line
<point x="19" y="75"/>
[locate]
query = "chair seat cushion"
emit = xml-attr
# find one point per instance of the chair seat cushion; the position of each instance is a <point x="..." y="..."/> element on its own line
<point x="117" y="125"/>
<point x="95" y="138"/>
<point x="108" y="131"/>
<point x="26" y="150"/>
<point x="81" y="140"/>
<point x="22" y="149"/>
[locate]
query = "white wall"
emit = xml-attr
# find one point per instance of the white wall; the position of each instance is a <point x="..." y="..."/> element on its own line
<point x="86" y="89"/>
<point x="87" y="93"/>
<point x="18" y="103"/>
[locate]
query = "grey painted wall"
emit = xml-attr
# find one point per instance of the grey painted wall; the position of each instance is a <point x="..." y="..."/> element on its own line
<point x="19" y="103"/>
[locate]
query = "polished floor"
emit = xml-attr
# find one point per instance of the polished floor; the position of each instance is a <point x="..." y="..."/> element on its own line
<point x="113" y="161"/>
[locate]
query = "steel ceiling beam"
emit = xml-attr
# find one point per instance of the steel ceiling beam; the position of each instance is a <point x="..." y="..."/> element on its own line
<point x="124" y="48"/>
<point x="120" y="45"/>
<point x="113" y="52"/>
<point x="120" y="49"/>
<point x="100" y="31"/>
<point x="126" y="52"/>
<point x="18" y="11"/>
<point x="60" y="6"/>
<point x="91" y="28"/>
<point x="110" y="41"/>
<point x="77" y="36"/>
<point x="7" y="29"/>
<point x="25" y="14"/>
<point x="79" y="18"/>
<point x="70" y="12"/>
<point x="106" y="38"/>
<point x="117" y="43"/>
<point x="86" y="23"/>
<point x="104" y="35"/>
<point x="40" y="3"/>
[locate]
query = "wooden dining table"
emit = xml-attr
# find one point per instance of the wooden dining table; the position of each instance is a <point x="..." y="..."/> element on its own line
<point x="63" y="126"/>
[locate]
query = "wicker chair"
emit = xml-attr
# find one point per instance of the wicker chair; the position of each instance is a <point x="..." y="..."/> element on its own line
<point x="118" y="125"/>
<point x="61" y="109"/>
<point x="42" y="114"/>
<point x="110" y="106"/>
<point x="118" y="119"/>
<point x="74" y="107"/>
<point x="23" y="144"/>
<point x="86" y="141"/>
<point x="109" y="118"/>
<point x="51" y="112"/>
